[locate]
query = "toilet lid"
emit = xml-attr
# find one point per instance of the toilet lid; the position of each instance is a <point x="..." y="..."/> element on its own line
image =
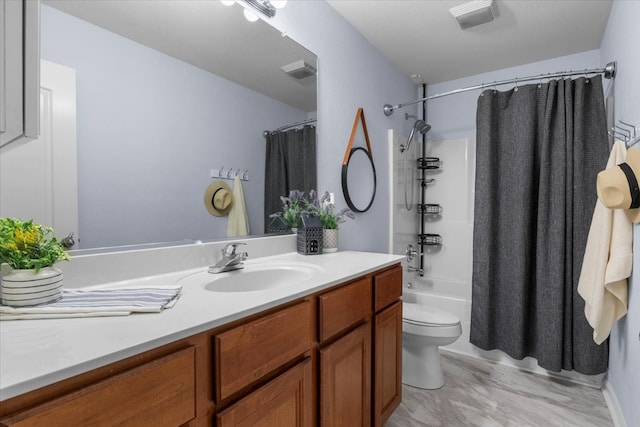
<point x="423" y="314"/>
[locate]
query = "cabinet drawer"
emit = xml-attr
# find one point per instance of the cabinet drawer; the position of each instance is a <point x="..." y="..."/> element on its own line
<point x="387" y="288"/>
<point x="344" y="307"/>
<point x="251" y="351"/>
<point x="284" y="401"/>
<point x="158" y="393"/>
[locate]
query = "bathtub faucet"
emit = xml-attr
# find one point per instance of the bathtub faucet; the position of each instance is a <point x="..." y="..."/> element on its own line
<point x="231" y="259"/>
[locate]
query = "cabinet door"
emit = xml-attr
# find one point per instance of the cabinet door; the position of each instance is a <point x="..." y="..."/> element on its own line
<point x="251" y="351"/>
<point x="19" y="71"/>
<point x="345" y="380"/>
<point x="285" y="401"/>
<point x="158" y="393"/>
<point x="387" y="377"/>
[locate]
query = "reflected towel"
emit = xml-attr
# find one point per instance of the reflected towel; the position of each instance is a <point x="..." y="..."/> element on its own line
<point x="238" y="222"/>
<point x="99" y="302"/>
<point x="607" y="262"/>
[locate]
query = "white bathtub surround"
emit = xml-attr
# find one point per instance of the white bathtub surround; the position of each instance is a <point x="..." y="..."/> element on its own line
<point x="36" y="353"/>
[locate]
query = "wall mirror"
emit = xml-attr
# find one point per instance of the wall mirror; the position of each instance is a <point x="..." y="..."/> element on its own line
<point x="167" y="92"/>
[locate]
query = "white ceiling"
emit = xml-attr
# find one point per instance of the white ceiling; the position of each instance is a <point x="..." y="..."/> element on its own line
<point x="421" y="37"/>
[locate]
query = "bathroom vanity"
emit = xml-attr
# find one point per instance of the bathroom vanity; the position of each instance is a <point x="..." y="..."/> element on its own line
<point x="325" y="352"/>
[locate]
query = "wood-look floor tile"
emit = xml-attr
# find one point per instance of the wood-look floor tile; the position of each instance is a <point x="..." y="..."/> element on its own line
<point x="482" y="393"/>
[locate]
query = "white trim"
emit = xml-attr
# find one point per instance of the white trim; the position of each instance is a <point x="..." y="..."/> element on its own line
<point x="390" y="182"/>
<point x="612" y="403"/>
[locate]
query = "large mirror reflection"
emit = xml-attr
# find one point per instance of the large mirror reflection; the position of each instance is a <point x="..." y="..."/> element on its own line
<point x="169" y="93"/>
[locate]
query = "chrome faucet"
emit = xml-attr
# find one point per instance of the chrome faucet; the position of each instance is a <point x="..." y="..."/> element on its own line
<point x="231" y="259"/>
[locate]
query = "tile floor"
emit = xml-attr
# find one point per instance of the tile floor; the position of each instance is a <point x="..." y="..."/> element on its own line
<point x="482" y="393"/>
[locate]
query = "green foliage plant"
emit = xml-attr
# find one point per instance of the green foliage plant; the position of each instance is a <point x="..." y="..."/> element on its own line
<point x="25" y="245"/>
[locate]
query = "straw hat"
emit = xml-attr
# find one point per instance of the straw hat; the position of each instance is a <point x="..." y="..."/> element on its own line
<point x="218" y="199"/>
<point x="618" y="186"/>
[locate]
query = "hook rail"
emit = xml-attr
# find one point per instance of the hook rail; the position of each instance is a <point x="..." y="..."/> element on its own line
<point x="230" y="173"/>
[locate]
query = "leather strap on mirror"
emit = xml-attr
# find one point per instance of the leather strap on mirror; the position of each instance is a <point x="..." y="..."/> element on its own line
<point x="347" y="157"/>
<point x="359" y="116"/>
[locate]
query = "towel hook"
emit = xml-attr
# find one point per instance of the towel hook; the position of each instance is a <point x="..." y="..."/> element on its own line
<point x="628" y="125"/>
<point x="613" y="132"/>
<point x="220" y="172"/>
<point x="229" y="172"/>
<point x="623" y="131"/>
<point x="245" y="175"/>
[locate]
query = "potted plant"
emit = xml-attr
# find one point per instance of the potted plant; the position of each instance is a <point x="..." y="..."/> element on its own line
<point x="292" y="209"/>
<point x="27" y="256"/>
<point x="330" y="219"/>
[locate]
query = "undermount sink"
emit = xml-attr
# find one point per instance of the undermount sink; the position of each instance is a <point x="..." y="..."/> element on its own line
<point x="254" y="277"/>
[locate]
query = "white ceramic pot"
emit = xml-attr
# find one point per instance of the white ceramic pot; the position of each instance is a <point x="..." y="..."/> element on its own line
<point x="329" y="240"/>
<point x="26" y="287"/>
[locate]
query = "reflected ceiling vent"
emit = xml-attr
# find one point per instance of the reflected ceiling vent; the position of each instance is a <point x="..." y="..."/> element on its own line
<point x="299" y="69"/>
<point x="474" y="13"/>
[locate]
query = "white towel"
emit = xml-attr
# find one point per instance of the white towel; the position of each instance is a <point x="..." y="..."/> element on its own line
<point x="238" y="222"/>
<point x="98" y="302"/>
<point x="607" y="262"/>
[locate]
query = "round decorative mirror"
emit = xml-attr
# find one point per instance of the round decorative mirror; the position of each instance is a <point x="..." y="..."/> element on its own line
<point x="359" y="180"/>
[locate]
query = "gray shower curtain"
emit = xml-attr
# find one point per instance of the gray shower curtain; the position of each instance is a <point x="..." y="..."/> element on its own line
<point x="290" y="165"/>
<point x="539" y="149"/>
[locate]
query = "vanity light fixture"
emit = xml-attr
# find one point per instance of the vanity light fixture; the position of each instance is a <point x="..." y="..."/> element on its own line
<point x="266" y="7"/>
<point x="474" y="13"/>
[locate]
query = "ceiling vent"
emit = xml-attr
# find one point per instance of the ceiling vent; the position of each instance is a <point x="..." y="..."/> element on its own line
<point x="474" y="13"/>
<point x="299" y="69"/>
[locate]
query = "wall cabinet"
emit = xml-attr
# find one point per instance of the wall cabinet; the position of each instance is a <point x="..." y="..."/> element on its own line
<point x="328" y="359"/>
<point x="19" y="71"/>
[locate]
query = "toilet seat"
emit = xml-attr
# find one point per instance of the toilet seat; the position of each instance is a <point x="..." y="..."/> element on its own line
<point x="422" y="315"/>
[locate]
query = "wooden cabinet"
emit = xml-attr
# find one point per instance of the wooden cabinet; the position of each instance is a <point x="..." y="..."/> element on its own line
<point x="387" y="388"/>
<point x="332" y="359"/>
<point x="285" y="401"/>
<point x="343" y="308"/>
<point x="158" y="393"/>
<point x="345" y="355"/>
<point x="387" y="339"/>
<point x="19" y="71"/>
<point x="345" y="380"/>
<point x="249" y="352"/>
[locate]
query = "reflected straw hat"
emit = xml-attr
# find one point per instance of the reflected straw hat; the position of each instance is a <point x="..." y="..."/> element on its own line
<point x="618" y="186"/>
<point x="218" y="199"/>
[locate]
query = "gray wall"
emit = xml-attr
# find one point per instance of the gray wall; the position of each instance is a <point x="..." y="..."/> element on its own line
<point x="621" y="43"/>
<point x="142" y="173"/>
<point x="352" y="74"/>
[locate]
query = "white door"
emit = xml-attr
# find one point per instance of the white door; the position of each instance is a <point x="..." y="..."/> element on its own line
<point x="38" y="179"/>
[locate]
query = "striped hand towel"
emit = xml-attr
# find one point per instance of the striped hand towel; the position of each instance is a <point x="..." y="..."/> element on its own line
<point x="98" y="302"/>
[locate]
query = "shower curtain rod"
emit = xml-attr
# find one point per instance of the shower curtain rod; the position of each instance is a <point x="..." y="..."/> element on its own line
<point x="292" y="125"/>
<point x="609" y="72"/>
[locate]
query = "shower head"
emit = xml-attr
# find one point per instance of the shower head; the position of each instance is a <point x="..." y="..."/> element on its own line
<point x="420" y="126"/>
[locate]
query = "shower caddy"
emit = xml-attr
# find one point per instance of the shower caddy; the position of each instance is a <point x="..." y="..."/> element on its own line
<point x="425" y="240"/>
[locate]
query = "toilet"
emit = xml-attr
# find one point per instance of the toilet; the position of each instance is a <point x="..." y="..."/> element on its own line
<point x="424" y="329"/>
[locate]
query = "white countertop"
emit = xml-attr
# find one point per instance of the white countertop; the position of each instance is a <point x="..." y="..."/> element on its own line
<point x="35" y="353"/>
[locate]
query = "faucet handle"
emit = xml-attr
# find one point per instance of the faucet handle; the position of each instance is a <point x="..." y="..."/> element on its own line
<point x="230" y="248"/>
